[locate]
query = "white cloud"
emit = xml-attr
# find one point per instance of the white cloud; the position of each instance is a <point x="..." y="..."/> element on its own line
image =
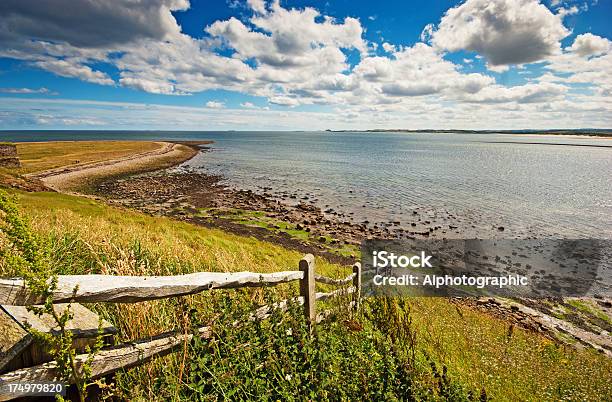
<point x="259" y="6"/>
<point x="562" y="12"/>
<point x="42" y="90"/>
<point x="528" y="93"/>
<point x="498" y="69"/>
<point x="146" y="85"/>
<point x="299" y="54"/>
<point x="503" y="31"/>
<point x="293" y="57"/>
<point x="28" y="113"/>
<point x="215" y="105"/>
<point x="164" y="68"/>
<point x="588" y="44"/>
<point x="73" y="68"/>
<point x="587" y="61"/>
<point x="250" y="105"/>
<point x="291" y="39"/>
<point x="388" y="47"/>
<point x="410" y="73"/>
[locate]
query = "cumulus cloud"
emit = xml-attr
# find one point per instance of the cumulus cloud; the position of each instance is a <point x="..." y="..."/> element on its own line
<point x="587" y="62"/>
<point x="588" y="44"/>
<point x="299" y="56"/>
<point x="405" y="89"/>
<point x="292" y="38"/>
<point x="417" y="71"/>
<point x="147" y="85"/>
<point x="67" y="37"/>
<point x="503" y="31"/>
<point x="91" y="23"/>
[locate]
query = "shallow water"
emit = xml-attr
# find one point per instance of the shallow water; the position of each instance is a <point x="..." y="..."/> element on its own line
<point x="463" y="180"/>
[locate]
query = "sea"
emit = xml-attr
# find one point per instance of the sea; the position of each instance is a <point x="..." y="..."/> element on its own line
<point x="474" y="185"/>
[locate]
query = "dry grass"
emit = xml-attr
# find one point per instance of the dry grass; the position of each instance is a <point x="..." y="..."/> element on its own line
<point x="202" y="249"/>
<point x="123" y="242"/>
<point x="40" y="156"/>
<point x="479" y="350"/>
<point x="511" y="364"/>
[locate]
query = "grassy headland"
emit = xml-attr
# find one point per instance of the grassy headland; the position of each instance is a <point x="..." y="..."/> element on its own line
<point x="420" y="348"/>
<point x="39" y="156"/>
<point x="77" y="165"/>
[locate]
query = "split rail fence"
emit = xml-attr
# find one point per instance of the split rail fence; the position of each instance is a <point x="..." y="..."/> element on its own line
<point x="132" y="289"/>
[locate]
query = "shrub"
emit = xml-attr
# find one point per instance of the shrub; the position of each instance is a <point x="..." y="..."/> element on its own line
<point x="278" y="359"/>
<point x="24" y="254"/>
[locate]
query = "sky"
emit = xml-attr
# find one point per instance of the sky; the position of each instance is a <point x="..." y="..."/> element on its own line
<point x="305" y="65"/>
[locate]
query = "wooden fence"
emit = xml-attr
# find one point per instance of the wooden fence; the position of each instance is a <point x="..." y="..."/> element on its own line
<point x="130" y="289"/>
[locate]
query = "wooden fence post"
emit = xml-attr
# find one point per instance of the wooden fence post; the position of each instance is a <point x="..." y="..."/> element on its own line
<point x="357" y="284"/>
<point x="307" y="288"/>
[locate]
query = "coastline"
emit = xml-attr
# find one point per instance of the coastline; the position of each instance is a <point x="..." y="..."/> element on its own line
<point x="577" y="136"/>
<point x="201" y="199"/>
<point x="80" y="176"/>
<point x="143" y="182"/>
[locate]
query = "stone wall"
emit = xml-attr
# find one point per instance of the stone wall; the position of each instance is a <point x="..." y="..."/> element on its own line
<point x="8" y="156"/>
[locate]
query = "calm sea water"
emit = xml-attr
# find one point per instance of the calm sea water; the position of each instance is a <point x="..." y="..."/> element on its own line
<point x="474" y="181"/>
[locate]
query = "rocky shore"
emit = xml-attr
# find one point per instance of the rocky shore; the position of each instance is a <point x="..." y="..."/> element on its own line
<point x="193" y="195"/>
<point x="201" y="199"/>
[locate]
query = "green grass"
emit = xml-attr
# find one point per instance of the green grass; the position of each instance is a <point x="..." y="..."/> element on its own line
<point x="478" y="351"/>
<point x="590" y="308"/>
<point x="260" y="219"/>
<point x="197" y="247"/>
<point x="511" y="364"/>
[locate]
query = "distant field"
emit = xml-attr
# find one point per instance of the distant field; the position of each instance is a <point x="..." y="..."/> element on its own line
<point x="40" y="156"/>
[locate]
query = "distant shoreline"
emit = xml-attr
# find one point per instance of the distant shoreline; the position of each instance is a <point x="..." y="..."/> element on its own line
<point x="580" y="133"/>
<point x="546" y="143"/>
<point x="174" y="135"/>
<point x="603" y="136"/>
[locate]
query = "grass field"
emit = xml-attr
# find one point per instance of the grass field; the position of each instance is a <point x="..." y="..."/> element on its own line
<point x="39" y="156"/>
<point x="479" y="351"/>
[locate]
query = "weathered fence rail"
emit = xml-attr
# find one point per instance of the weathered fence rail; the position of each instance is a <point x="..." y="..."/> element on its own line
<point x="130" y="289"/>
<point x="330" y="281"/>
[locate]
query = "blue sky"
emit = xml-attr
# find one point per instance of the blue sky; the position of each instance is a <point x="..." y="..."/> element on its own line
<point x="256" y="64"/>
